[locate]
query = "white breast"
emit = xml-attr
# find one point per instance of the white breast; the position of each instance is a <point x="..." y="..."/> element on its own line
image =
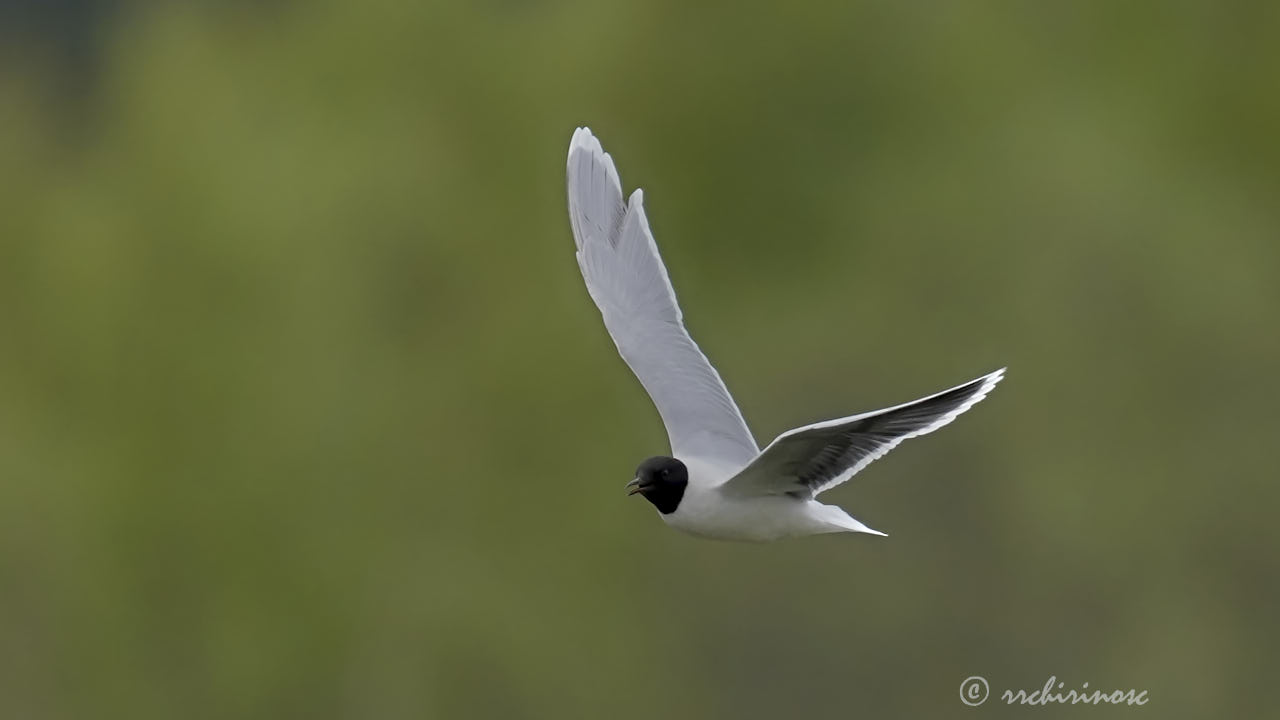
<point x="707" y="512"/>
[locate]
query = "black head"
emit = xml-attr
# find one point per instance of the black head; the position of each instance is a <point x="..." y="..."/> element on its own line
<point x="661" y="480"/>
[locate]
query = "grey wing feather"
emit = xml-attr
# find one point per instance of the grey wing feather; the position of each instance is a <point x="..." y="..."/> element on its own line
<point x="628" y="282"/>
<point x="808" y="460"/>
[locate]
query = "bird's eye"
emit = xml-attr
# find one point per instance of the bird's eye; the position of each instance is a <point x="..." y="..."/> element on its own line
<point x="665" y="472"/>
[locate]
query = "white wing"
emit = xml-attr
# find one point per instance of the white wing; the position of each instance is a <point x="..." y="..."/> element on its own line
<point x="808" y="460"/>
<point x="628" y="282"/>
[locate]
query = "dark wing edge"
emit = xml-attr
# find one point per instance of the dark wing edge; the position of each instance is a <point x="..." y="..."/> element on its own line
<point x="809" y="460"/>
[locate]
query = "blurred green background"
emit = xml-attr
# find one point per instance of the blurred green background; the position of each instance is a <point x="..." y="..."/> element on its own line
<point x="305" y="411"/>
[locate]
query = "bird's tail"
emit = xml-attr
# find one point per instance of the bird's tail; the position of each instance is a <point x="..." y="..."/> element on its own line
<point x="840" y="521"/>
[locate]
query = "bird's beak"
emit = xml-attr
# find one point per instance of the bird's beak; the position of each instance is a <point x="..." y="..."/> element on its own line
<point x="634" y="485"/>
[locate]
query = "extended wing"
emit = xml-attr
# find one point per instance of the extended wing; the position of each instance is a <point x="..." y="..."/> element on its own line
<point x="808" y="460"/>
<point x="628" y="282"/>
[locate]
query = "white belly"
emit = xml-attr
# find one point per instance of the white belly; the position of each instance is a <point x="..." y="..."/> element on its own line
<point x="764" y="518"/>
<point x="707" y="512"/>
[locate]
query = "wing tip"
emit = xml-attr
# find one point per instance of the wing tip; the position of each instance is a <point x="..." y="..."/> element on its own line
<point x="583" y="138"/>
<point x="593" y="184"/>
<point x="584" y="143"/>
<point x="986" y="384"/>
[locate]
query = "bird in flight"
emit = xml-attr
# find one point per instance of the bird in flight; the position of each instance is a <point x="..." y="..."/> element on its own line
<point x="717" y="483"/>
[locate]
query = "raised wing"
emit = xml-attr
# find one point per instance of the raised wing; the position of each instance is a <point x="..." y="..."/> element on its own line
<point x="628" y="282"/>
<point x="808" y="460"/>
